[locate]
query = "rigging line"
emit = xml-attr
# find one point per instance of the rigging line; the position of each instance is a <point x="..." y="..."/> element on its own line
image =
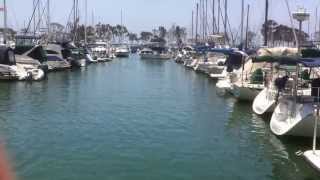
<point x="33" y="16"/>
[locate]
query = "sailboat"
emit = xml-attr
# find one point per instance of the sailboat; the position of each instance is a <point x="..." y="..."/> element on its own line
<point x="266" y="100"/>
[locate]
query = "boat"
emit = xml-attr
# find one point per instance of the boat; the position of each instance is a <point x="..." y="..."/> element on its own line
<point x="9" y="70"/>
<point x="251" y="81"/>
<point x="148" y="53"/>
<point x="293" y="115"/>
<point x="122" y="51"/>
<point x="232" y="71"/>
<point x="55" y="59"/>
<point x="211" y="63"/>
<point x="265" y="101"/>
<point x="99" y="51"/>
<point x="75" y="56"/>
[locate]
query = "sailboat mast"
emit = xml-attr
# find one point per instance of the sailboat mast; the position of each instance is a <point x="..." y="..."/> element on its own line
<point x="206" y="20"/>
<point x="213" y="17"/>
<point x="197" y="22"/>
<point x="225" y="18"/>
<point x="247" y="28"/>
<point x="86" y="22"/>
<point x="48" y="18"/>
<point x="219" y="11"/>
<point x="265" y="24"/>
<point x="5" y="22"/>
<point x="192" y="25"/>
<point x="242" y="22"/>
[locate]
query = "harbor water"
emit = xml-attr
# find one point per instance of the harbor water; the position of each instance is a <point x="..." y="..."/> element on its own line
<point x="140" y="120"/>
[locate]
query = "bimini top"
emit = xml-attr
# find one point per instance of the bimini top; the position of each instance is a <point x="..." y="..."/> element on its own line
<point x="287" y="60"/>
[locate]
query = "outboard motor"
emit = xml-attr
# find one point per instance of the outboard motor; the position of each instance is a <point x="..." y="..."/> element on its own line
<point x="280" y="84"/>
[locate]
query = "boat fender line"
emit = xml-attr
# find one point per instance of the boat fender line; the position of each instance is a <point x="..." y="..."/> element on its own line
<point x="299" y="153"/>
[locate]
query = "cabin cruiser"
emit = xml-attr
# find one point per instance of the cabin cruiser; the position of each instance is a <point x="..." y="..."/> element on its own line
<point x="55" y="59"/>
<point x="122" y="51"/>
<point x="9" y="69"/>
<point x="156" y="54"/>
<point x="75" y="56"/>
<point x="279" y="60"/>
<point x="185" y="54"/>
<point x="293" y="115"/>
<point x="99" y="52"/>
<point x="211" y="63"/>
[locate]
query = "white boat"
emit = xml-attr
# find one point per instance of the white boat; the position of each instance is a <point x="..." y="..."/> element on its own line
<point x="265" y="101"/>
<point x="122" y="51"/>
<point x="251" y="80"/>
<point x="99" y="52"/>
<point x="148" y="53"/>
<point x="232" y="72"/>
<point x="55" y="59"/>
<point x="293" y="115"/>
<point x="212" y="63"/>
<point x="76" y="56"/>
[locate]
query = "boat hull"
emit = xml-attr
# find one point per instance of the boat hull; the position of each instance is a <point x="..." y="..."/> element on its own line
<point x="293" y="120"/>
<point x="245" y="93"/>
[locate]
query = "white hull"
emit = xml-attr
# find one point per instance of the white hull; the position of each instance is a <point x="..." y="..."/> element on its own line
<point x="245" y="93"/>
<point x="264" y="102"/>
<point x="289" y="119"/>
<point x="313" y="158"/>
<point x="224" y="86"/>
<point x="122" y="54"/>
<point x="155" y="57"/>
<point x="80" y="62"/>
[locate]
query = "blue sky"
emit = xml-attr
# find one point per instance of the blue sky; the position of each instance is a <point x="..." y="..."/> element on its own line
<point x="147" y="14"/>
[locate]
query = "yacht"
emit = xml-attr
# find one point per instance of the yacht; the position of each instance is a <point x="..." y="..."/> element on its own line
<point x="148" y="53"/>
<point x="122" y="51"/>
<point x="9" y="70"/>
<point x="211" y="63"/>
<point x="99" y="51"/>
<point x="75" y="56"/>
<point x="55" y="59"/>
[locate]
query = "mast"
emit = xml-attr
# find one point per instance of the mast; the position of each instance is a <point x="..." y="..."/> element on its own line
<point x="48" y="18"/>
<point x="242" y="23"/>
<point x="213" y="17"/>
<point x="192" y="25"/>
<point x="316" y="24"/>
<point x="197" y="17"/>
<point x="247" y="28"/>
<point x="34" y="17"/>
<point x="203" y="21"/>
<point x="206" y="20"/>
<point x="225" y="18"/>
<point x="5" y="22"/>
<point x="265" y="24"/>
<point x="219" y="9"/>
<point x="86" y="22"/>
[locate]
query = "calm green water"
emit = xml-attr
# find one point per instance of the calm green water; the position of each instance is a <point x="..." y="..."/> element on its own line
<point x="140" y="120"/>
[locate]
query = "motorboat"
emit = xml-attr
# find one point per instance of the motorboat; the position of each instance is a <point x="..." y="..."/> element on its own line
<point x="211" y="63"/>
<point x="148" y="53"/>
<point x="9" y="70"/>
<point x="122" y="51"/>
<point x="75" y="56"/>
<point x="55" y="59"/>
<point x="100" y="52"/>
